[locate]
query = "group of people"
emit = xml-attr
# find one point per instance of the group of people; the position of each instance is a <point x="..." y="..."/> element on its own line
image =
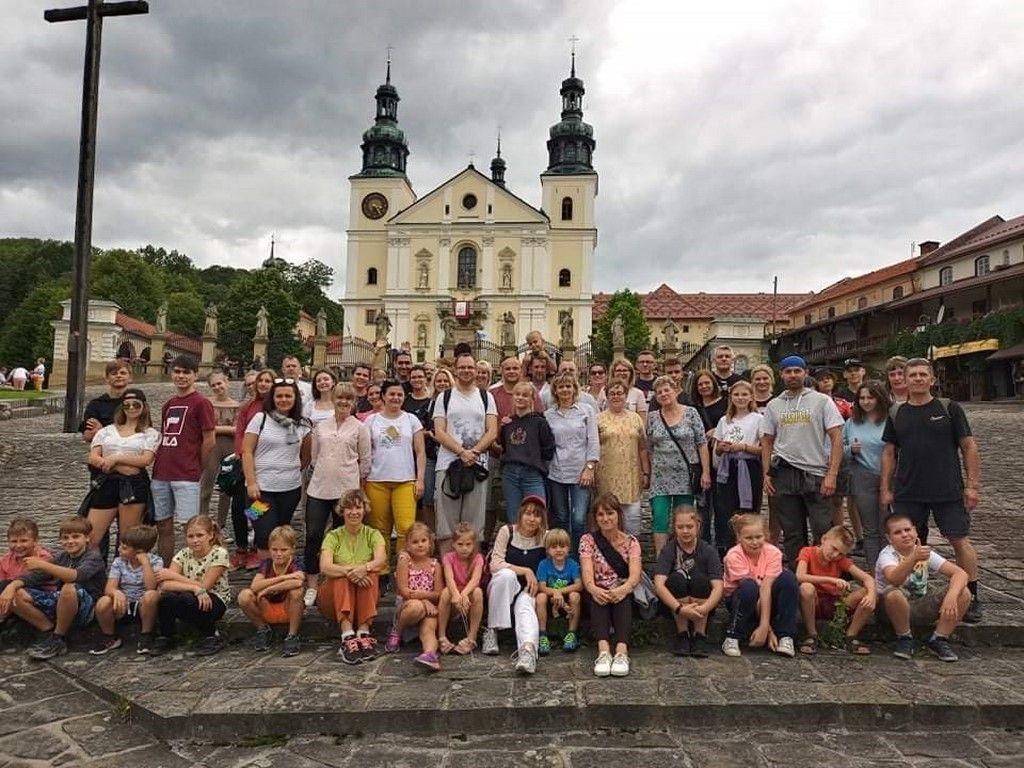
<point x="18" y="376"/>
<point x="403" y="481"/>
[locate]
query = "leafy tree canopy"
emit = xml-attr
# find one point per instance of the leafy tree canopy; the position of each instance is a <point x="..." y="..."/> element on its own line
<point x="27" y="334"/>
<point x="624" y="304"/>
<point x="25" y="263"/>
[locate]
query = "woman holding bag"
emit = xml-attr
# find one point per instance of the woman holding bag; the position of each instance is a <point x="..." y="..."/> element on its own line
<point x="680" y="462"/>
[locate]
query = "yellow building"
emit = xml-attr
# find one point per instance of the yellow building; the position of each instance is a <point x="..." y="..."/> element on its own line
<point x="470" y="255"/>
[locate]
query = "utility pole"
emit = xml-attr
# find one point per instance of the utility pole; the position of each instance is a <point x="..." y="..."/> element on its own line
<point x="775" y="299"/>
<point x="78" y="332"/>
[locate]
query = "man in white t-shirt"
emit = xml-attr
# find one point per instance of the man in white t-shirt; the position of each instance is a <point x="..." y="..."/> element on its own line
<point x="464" y="427"/>
<point x="291" y="368"/>
<point x="901" y="578"/>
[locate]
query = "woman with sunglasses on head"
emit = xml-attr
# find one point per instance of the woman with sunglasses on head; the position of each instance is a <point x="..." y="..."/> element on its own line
<point x="256" y="392"/>
<point x="275" y="450"/>
<point x="121" y="452"/>
<point x="597" y="378"/>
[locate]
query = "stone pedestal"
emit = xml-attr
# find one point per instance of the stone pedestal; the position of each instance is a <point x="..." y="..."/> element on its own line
<point x="568" y="351"/>
<point x="509" y="351"/>
<point x="259" y="348"/>
<point x="618" y="353"/>
<point x="320" y="352"/>
<point x="669" y="352"/>
<point x="380" y="356"/>
<point x="157" y="347"/>
<point x="209" y="352"/>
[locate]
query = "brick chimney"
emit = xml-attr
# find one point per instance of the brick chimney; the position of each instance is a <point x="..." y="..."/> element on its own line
<point x="928" y="246"/>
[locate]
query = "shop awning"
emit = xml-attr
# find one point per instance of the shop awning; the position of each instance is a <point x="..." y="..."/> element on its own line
<point x="967" y="348"/>
<point x="1010" y="353"/>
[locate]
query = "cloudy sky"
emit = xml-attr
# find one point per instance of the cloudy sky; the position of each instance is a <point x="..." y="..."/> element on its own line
<point x="735" y="140"/>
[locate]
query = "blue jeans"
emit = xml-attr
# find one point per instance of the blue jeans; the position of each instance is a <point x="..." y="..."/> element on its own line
<point x="743" y="607"/>
<point x="175" y="498"/>
<point x="517" y="482"/>
<point x="568" y="507"/>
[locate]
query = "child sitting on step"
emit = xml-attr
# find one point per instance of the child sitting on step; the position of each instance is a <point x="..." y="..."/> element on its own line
<point x="131" y="590"/>
<point x="463" y="575"/>
<point x="560" y="589"/>
<point x="820" y="570"/>
<point x="275" y="595"/>
<point x="419" y="584"/>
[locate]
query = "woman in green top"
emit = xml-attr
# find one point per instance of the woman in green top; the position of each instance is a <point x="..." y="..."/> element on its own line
<point x="350" y="559"/>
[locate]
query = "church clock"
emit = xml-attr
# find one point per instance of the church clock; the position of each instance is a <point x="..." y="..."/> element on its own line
<point x="374" y="205"/>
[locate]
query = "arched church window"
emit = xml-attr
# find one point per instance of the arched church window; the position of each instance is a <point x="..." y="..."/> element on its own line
<point x="371" y="276"/>
<point x="467" y="268"/>
<point x="564" y="278"/>
<point x="566" y="209"/>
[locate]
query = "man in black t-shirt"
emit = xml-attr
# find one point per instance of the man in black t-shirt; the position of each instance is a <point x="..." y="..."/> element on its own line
<point x="361" y="376"/>
<point x="645" y="374"/>
<point x="99" y="412"/>
<point x="673" y="368"/>
<point x="924" y="438"/>
<point x="403" y="367"/>
<point x="724" y="368"/>
<point x="853" y="374"/>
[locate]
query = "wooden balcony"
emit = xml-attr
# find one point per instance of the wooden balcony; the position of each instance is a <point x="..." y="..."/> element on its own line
<point x="836" y="352"/>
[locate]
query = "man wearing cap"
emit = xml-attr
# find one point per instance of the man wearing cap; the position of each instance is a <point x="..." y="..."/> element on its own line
<point x="801" y="450"/>
<point x="853" y="372"/>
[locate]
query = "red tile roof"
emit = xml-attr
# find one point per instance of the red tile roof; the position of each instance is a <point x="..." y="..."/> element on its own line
<point x="989" y="232"/>
<point x="850" y="285"/>
<point x="144" y="329"/>
<point x="663" y="303"/>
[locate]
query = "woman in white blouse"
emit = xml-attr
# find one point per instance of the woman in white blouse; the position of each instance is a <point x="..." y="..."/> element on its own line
<point x="121" y="452"/>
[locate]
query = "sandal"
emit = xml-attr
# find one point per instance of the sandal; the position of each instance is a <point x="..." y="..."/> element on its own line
<point x="445" y="645"/>
<point x="466" y="646"/>
<point x="857" y="648"/>
<point x="809" y="646"/>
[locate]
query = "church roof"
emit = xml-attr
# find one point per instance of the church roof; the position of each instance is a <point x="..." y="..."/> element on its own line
<point x="663" y="303"/>
<point x="536" y="212"/>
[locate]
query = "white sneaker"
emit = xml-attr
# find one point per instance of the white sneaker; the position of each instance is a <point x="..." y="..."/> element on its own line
<point x="731" y="647"/>
<point x="786" y="647"/>
<point x="527" y="663"/>
<point x="309" y="597"/>
<point x="603" y="665"/>
<point x="490" y="644"/>
<point x="620" y="665"/>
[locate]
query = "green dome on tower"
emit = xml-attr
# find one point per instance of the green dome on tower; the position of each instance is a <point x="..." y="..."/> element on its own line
<point x="384" y="147"/>
<point x="571" y="143"/>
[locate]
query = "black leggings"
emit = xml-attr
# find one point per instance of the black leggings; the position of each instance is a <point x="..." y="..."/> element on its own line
<point x="319" y="512"/>
<point x="184" y="606"/>
<point x="604" y="617"/>
<point x="695" y="585"/>
<point x="282" y="507"/>
<point x="239" y="522"/>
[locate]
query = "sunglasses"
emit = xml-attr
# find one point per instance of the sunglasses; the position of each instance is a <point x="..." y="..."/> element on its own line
<point x="130" y="405"/>
<point x="597" y="373"/>
<point x="284" y="381"/>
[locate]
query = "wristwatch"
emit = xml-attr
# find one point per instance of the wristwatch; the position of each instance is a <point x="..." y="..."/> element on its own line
<point x="591" y="465"/>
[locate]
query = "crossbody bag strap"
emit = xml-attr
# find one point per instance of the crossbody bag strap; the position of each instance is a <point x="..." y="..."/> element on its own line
<point x="611" y="555"/>
<point x="674" y="439"/>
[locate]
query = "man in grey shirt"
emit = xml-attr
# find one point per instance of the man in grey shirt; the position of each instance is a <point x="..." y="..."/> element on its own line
<point x="801" y="449"/>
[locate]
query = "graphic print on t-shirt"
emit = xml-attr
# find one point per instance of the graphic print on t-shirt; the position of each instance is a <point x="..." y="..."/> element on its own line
<point x="517" y="436"/>
<point x="174" y="422"/>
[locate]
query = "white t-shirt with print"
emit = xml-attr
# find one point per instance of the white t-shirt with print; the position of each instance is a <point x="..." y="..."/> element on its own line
<point x="745" y="429"/>
<point x="917" y="582"/>
<point x="278" y="465"/>
<point x="466" y="422"/>
<point x="393" y="459"/>
<point x="110" y="442"/>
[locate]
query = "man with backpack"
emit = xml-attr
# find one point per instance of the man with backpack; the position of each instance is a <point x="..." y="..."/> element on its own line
<point x="465" y="425"/>
<point x="924" y="438"/>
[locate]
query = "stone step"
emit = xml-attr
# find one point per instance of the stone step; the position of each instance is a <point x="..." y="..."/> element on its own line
<point x="239" y="695"/>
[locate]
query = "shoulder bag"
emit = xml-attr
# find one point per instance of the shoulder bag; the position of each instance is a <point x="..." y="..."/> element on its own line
<point x="644" y="598"/>
<point x="693" y="470"/>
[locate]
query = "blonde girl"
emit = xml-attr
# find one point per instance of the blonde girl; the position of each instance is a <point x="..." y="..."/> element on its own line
<point x="194" y="589"/>
<point x="688" y="581"/>
<point x="738" y="468"/>
<point x="463" y="576"/>
<point x="761" y="595"/>
<point x="419" y="584"/>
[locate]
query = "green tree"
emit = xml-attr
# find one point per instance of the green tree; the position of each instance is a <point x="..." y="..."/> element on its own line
<point x="25" y="263"/>
<point x="309" y="283"/>
<point x="624" y="304"/>
<point x="185" y="313"/>
<point x="237" y="314"/>
<point x="125" y="277"/>
<point x="27" y="334"/>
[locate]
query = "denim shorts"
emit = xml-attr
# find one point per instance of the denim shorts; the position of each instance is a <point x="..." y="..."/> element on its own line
<point x="179" y="498"/>
<point x="46" y="601"/>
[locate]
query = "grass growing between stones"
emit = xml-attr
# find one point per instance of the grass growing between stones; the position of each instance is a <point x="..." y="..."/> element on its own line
<point x="270" y="740"/>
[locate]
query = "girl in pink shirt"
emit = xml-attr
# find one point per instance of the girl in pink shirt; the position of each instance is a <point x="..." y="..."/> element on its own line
<point x="463" y="576"/>
<point x="761" y="595"/>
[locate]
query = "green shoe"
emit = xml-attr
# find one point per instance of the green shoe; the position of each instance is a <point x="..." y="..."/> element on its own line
<point x="570" y="642"/>
<point x="543" y="646"/>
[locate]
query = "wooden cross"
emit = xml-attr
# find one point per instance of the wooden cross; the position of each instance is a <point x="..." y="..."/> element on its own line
<point x="78" y="330"/>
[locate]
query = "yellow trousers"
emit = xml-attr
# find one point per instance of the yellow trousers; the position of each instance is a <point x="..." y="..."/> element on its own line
<point x="392" y="505"/>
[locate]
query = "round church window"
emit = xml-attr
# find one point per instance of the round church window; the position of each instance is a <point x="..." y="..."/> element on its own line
<point x="469" y="201"/>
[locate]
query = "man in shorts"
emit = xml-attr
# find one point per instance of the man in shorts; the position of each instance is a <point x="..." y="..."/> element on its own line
<point x="924" y="439"/>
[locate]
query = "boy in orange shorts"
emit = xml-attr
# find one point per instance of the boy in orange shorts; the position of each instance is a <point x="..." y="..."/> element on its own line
<point x="275" y="595"/>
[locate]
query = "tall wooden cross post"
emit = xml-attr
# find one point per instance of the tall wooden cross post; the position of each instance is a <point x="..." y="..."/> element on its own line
<point x="78" y="332"/>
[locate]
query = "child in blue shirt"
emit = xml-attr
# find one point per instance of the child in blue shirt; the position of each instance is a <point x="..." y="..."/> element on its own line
<point x="560" y="587"/>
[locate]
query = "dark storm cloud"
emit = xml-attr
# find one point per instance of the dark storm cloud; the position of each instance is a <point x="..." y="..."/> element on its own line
<point x="808" y="140"/>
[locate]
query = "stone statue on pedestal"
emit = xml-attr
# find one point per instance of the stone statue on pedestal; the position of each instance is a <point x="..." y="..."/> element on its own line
<point x="261" y="323"/>
<point x="383" y="325"/>
<point x="508" y="330"/>
<point x="210" y="325"/>
<point x="321" y="322"/>
<point x="566" y="326"/>
<point x="618" y="334"/>
<point x="671" y="333"/>
<point x="161" y="318"/>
